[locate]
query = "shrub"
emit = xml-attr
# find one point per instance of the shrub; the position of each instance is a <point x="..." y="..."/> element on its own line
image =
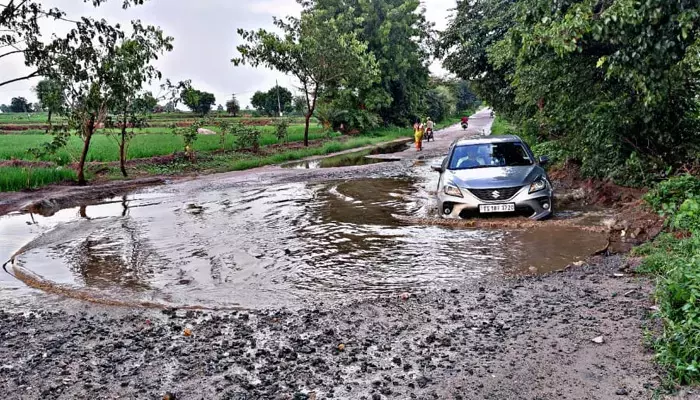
<point x="666" y="198"/>
<point x="687" y="217"/>
<point x="224" y="129"/>
<point x="246" y="138"/>
<point x="189" y="134"/>
<point x="675" y="258"/>
<point x="281" y="129"/>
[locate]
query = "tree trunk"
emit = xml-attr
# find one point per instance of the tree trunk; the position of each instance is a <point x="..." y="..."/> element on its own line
<point x="86" y="146"/>
<point x="48" y="127"/>
<point x="122" y="148"/>
<point x="306" y="130"/>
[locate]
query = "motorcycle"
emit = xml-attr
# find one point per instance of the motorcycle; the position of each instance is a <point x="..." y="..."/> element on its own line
<point x="429" y="135"/>
<point x="465" y="125"/>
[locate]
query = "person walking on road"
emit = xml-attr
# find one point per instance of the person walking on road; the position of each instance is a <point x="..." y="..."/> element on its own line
<point x="418" y="134"/>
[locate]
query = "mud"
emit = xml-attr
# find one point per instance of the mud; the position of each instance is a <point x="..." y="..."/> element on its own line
<point x="316" y="283"/>
<point x="516" y="339"/>
<point x="375" y="155"/>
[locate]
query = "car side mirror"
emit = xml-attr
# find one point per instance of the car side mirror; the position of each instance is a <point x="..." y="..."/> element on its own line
<point x="544" y="160"/>
<point x="439" y="166"/>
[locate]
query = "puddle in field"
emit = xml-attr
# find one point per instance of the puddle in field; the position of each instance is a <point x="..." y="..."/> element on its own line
<point x="351" y="159"/>
<point x="280" y="245"/>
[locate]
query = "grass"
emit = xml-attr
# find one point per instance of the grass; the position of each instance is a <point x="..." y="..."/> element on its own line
<point x="674" y="259"/>
<point x="153" y="142"/>
<point x="157" y="141"/>
<point x="502" y="127"/>
<point x="235" y="161"/>
<point x="18" y="178"/>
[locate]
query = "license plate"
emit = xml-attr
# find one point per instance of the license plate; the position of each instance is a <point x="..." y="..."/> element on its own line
<point x="496" y="208"/>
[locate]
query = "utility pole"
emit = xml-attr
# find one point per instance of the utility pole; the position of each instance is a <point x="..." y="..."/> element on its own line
<point x="279" y="105"/>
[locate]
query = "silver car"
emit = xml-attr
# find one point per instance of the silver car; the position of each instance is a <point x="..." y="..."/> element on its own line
<point x="493" y="175"/>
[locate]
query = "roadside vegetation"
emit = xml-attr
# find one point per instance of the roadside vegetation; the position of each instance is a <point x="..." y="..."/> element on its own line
<point x="674" y="259"/>
<point x="18" y="178"/>
<point x="610" y="85"/>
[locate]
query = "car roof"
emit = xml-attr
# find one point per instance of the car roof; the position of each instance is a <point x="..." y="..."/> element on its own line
<point x="488" y="139"/>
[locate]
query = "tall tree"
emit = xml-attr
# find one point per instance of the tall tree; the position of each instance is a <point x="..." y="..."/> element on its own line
<point x="232" y="106"/>
<point x="198" y="101"/>
<point x="611" y="84"/>
<point x="22" y="32"/>
<point x="146" y="102"/>
<point x="19" y="104"/>
<point x="97" y="82"/>
<point x="129" y="70"/>
<point x="397" y="33"/>
<point x="272" y="102"/>
<point x="313" y="50"/>
<point x="51" y="96"/>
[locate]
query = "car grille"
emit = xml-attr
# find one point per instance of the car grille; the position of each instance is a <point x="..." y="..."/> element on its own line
<point x="495" y="194"/>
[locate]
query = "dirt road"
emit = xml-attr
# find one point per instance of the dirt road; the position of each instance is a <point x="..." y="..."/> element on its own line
<point x="318" y="283"/>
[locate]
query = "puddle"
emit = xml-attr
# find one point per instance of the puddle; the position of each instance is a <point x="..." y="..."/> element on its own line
<point x="279" y="245"/>
<point x="351" y="159"/>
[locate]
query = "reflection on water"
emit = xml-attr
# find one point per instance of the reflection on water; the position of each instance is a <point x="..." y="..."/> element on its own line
<point x="351" y="159"/>
<point x="279" y="245"/>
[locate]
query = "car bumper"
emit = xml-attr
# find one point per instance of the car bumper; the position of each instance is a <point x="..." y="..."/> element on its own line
<point x="536" y="205"/>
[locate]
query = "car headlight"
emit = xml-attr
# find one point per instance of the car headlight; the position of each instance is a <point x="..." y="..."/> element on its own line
<point x="538" y="185"/>
<point x="453" y="191"/>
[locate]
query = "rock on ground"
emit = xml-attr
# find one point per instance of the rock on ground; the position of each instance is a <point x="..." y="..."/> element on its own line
<point x="526" y="338"/>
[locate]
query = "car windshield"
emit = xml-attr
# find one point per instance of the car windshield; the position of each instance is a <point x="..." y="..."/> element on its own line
<point x="488" y="155"/>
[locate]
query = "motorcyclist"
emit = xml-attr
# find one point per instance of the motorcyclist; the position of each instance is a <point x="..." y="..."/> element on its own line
<point x="429" y="125"/>
<point x="465" y="120"/>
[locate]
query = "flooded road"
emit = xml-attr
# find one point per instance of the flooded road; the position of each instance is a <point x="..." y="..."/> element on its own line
<point x="280" y="243"/>
<point x="272" y="246"/>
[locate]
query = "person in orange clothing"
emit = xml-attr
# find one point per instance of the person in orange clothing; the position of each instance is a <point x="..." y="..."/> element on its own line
<point x="418" y="130"/>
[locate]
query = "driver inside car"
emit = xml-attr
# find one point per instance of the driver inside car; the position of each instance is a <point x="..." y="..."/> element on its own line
<point x="471" y="158"/>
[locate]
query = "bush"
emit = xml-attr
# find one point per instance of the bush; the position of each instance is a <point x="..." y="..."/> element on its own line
<point x="678" y="348"/>
<point x="552" y="149"/>
<point x="675" y="259"/>
<point x="189" y="134"/>
<point x="666" y="198"/>
<point x="347" y="120"/>
<point x="687" y="218"/>
<point x="246" y="138"/>
<point x="282" y="128"/>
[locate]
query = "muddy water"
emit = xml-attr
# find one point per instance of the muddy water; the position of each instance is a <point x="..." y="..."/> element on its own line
<point x="353" y="158"/>
<point x="279" y="245"/>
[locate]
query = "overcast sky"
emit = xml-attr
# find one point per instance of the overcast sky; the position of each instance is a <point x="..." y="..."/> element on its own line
<point x="205" y="41"/>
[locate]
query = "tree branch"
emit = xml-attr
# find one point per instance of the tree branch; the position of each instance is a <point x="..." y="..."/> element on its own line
<point x="32" y="75"/>
<point x="11" y="52"/>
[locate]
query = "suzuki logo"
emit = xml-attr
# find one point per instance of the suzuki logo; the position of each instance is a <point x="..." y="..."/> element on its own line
<point x="496" y="194"/>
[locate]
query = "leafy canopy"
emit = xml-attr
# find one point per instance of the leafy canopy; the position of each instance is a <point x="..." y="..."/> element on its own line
<point x="397" y="35"/>
<point x="316" y="51"/>
<point x="267" y="102"/>
<point x="611" y="83"/>
<point x="198" y="101"/>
